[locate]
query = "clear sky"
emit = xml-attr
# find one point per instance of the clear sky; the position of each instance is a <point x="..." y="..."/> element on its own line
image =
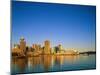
<point x="73" y="26"/>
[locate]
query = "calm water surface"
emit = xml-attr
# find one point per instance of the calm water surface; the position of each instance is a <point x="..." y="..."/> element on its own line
<point x="48" y="63"/>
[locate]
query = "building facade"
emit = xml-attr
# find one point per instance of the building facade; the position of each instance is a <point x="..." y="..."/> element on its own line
<point x="47" y="49"/>
<point x="22" y="44"/>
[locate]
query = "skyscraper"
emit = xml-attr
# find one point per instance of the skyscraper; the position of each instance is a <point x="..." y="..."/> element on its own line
<point x="22" y="44"/>
<point x="47" y="47"/>
<point x="33" y="46"/>
<point x="36" y="47"/>
<point x="60" y="47"/>
<point x="16" y="49"/>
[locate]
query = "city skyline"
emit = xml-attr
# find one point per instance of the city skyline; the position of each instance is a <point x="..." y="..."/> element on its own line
<point x="46" y="45"/>
<point x="73" y="27"/>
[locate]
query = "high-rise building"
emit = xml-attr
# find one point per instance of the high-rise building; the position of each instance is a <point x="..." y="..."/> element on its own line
<point x="16" y="49"/>
<point x="47" y="47"/>
<point x="33" y="46"/>
<point x="60" y="47"/>
<point x="37" y="47"/>
<point x="16" y="46"/>
<point x="22" y="44"/>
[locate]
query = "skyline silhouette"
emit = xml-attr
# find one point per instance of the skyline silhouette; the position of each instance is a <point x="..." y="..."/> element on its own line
<point x="73" y="26"/>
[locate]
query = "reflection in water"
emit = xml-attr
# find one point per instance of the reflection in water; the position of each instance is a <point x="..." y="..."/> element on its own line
<point x="47" y="63"/>
<point x="19" y="65"/>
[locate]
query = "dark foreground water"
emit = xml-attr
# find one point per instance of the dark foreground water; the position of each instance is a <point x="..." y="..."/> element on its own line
<point x="51" y="63"/>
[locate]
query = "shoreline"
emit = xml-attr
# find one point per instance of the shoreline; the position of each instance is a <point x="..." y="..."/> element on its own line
<point x="51" y="55"/>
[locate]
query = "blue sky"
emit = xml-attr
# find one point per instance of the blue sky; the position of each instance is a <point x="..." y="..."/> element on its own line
<point x="73" y="26"/>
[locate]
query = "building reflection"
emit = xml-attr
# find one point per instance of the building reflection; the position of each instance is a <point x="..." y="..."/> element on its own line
<point x="71" y="59"/>
<point x="57" y="60"/>
<point x="20" y="64"/>
<point x="33" y="64"/>
<point x="33" y="61"/>
<point x="46" y="62"/>
<point x="60" y="59"/>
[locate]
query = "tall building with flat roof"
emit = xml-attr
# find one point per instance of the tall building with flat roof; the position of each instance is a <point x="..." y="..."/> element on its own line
<point x="22" y="44"/>
<point x="47" y="47"/>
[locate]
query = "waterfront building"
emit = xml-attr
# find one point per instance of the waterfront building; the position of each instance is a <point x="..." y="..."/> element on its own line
<point x="39" y="47"/>
<point x="36" y="47"/>
<point x="60" y="47"/>
<point x="16" y="49"/>
<point x="22" y="44"/>
<point x="47" y="47"/>
<point x="56" y="49"/>
<point x="71" y="52"/>
<point x="16" y="46"/>
<point x="33" y="47"/>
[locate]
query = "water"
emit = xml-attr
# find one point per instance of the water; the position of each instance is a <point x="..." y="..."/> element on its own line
<point x="52" y="63"/>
